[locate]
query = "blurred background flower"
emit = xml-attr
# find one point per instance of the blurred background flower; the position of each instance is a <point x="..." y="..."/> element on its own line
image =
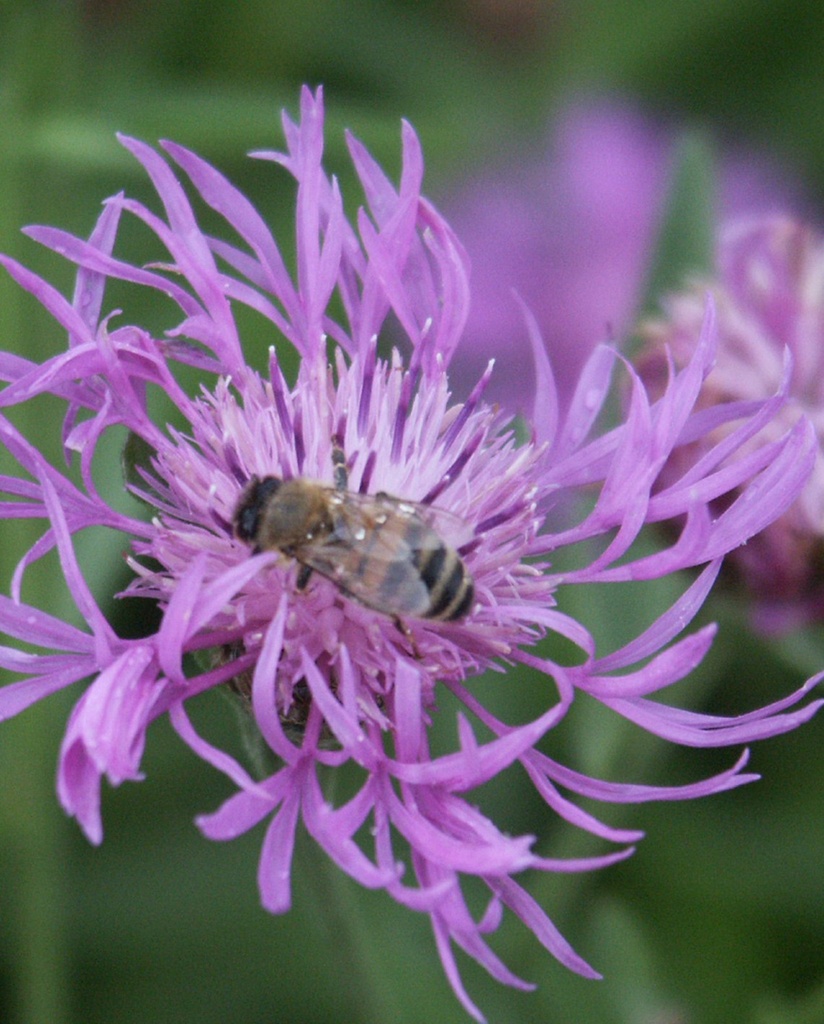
<point x="768" y="287"/>
<point x="572" y="232"/>
<point x="723" y="905"/>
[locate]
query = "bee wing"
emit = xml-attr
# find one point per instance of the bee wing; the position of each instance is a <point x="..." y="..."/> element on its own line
<point x="374" y="551"/>
<point x="449" y="526"/>
<point x="362" y="509"/>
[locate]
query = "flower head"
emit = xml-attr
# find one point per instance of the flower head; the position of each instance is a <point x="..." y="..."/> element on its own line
<point x="402" y="479"/>
<point x="769" y="292"/>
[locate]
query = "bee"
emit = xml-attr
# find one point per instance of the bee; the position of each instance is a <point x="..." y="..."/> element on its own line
<point x="380" y="551"/>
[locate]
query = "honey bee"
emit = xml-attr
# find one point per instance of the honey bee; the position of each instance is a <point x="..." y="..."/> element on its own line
<point x="383" y="552"/>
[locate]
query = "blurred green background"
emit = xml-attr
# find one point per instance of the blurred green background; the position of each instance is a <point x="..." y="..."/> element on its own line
<point x="719" y="917"/>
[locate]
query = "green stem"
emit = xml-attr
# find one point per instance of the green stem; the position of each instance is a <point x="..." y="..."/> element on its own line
<point x="32" y="829"/>
<point x="348" y="930"/>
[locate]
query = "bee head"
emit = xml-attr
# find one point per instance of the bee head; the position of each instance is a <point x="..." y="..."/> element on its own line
<point x="251" y="506"/>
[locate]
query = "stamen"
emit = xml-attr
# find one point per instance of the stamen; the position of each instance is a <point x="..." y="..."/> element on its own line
<point x="454" y="470"/>
<point x="279" y="392"/>
<point x="366" y="386"/>
<point x="410" y="382"/>
<point x="300" y="448"/>
<point x="469" y="405"/>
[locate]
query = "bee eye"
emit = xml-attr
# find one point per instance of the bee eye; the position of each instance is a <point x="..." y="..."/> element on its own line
<point x="251" y="504"/>
<point x="246" y="520"/>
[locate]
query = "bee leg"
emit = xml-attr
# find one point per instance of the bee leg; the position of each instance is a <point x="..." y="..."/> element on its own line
<point x="339" y="466"/>
<point x="410" y="639"/>
<point x="303" y="577"/>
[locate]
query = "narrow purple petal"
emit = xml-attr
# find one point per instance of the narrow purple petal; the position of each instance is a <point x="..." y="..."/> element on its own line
<point x="83" y="597"/>
<point x="696" y="730"/>
<point x="621" y="792"/>
<point x="451" y="971"/>
<point x="346" y="728"/>
<point x="89" y="257"/>
<point x="264" y="699"/>
<point x="664" y="669"/>
<point x="231" y="204"/>
<point x="89" y="286"/>
<point x="587" y="400"/>
<point x="105" y="735"/>
<point x="408" y="717"/>
<point x="570" y="812"/>
<point x="48" y="296"/>
<point x="667" y="626"/>
<point x="472" y="858"/>
<point x="475" y="764"/>
<point x="519" y="900"/>
<point x="27" y="623"/>
<point x="209" y="753"/>
<point x="323" y="825"/>
<point x="16" y="697"/>
<point x="545" y="409"/>
<point x="274" y="870"/>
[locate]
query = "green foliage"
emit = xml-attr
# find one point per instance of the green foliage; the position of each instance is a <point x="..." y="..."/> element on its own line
<point x="685" y="244"/>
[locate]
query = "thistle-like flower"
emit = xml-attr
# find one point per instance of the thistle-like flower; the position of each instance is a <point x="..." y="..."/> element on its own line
<point x="313" y="627"/>
<point x="769" y="293"/>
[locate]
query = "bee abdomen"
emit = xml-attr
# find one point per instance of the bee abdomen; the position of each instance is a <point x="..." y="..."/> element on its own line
<point x="451" y="590"/>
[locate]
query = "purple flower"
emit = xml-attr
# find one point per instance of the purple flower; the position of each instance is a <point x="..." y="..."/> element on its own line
<point x="769" y="295"/>
<point x="571" y="231"/>
<point x="328" y="679"/>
